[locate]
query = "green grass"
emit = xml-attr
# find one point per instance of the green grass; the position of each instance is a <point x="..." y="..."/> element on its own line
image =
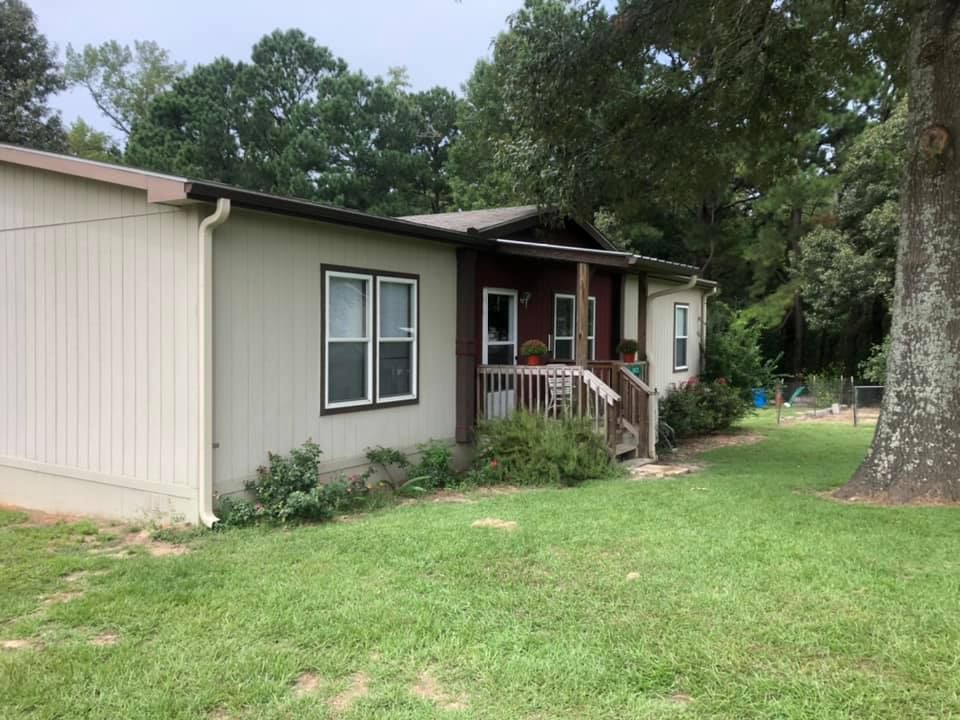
<point x="756" y="598"/>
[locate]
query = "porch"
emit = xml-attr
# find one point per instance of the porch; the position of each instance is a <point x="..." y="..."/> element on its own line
<point x="612" y="396"/>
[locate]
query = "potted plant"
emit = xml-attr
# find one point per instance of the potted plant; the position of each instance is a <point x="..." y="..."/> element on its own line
<point x="533" y="351"/>
<point x="628" y="350"/>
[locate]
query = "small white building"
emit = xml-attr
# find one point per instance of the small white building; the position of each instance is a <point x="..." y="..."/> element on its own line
<point x="160" y="335"/>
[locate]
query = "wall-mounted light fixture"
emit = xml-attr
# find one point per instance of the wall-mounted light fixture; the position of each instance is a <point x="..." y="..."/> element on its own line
<point x="525" y="297"/>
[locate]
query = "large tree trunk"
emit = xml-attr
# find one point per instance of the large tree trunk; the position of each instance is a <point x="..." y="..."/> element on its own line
<point x="916" y="448"/>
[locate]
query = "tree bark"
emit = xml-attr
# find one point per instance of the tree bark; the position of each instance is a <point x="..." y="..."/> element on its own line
<point x="916" y="449"/>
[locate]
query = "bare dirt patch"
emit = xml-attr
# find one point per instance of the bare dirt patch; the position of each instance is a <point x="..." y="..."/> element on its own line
<point x="307" y="683"/>
<point x="157" y="548"/>
<point x="680" y="699"/>
<point x="496" y="523"/>
<point x="21" y="644"/>
<point x="359" y="688"/>
<point x="105" y="640"/>
<point x="503" y="490"/>
<point x="633" y="576"/>
<point x="884" y="500"/>
<point x="428" y="688"/>
<point x="83" y="575"/>
<point x="865" y="416"/>
<point x="652" y="471"/>
<point x="38" y="518"/>
<point x="61" y="598"/>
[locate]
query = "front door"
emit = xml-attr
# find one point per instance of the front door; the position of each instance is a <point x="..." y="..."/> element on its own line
<point x="500" y="347"/>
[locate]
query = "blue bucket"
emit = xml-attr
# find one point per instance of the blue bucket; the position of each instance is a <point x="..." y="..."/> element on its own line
<point x="759" y="398"/>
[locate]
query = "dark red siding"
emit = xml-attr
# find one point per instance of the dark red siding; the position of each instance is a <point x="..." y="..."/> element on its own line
<point x="543" y="279"/>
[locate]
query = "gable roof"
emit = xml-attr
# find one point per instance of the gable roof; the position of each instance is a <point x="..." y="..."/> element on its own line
<point x="491" y="222"/>
<point x="476" y="220"/>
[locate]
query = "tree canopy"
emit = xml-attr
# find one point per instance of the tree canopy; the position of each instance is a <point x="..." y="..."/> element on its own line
<point x="29" y="75"/>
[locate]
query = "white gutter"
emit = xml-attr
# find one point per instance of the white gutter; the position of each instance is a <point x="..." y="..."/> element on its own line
<point x="631" y="258"/>
<point x="205" y="321"/>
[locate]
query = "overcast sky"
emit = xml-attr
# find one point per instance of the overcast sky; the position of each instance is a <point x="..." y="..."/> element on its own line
<point x="438" y="41"/>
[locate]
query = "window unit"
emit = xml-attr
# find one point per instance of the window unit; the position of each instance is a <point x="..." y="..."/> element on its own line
<point x="370" y="339"/>
<point x="565" y="327"/>
<point x="681" y="315"/>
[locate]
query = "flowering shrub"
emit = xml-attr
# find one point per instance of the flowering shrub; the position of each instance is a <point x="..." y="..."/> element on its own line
<point x="699" y="407"/>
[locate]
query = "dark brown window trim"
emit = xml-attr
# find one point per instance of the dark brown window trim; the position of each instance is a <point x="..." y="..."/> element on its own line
<point x="375" y="404"/>
<point x="686" y="366"/>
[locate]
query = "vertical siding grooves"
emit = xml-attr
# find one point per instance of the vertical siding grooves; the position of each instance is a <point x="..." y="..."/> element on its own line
<point x="98" y="302"/>
<point x="268" y="345"/>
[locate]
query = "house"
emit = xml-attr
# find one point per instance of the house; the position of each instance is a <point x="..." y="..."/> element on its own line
<point x="162" y="334"/>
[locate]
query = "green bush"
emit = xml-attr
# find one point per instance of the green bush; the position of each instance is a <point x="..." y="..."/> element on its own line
<point x="733" y="351"/>
<point x="288" y="489"/>
<point x="527" y="449"/>
<point x="435" y="468"/>
<point x="701" y="408"/>
<point x="874" y="368"/>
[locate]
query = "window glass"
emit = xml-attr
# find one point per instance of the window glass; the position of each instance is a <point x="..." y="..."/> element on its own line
<point x="347" y="372"/>
<point x="680" y="314"/>
<point x="396" y="369"/>
<point x="348" y="307"/>
<point x="499" y="317"/>
<point x="396" y="309"/>
<point x="565" y="316"/>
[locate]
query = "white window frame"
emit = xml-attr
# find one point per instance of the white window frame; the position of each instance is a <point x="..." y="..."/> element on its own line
<point x="412" y="339"/>
<point x="591" y="339"/>
<point x="487" y="291"/>
<point x="368" y="339"/>
<point x="677" y="336"/>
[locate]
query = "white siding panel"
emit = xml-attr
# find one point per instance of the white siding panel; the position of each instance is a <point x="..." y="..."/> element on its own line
<point x="660" y="333"/>
<point x="267" y="343"/>
<point x="99" y="392"/>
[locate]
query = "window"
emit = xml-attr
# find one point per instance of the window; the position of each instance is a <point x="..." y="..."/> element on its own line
<point x="565" y="327"/>
<point x="680" y="336"/>
<point x="370" y="339"/>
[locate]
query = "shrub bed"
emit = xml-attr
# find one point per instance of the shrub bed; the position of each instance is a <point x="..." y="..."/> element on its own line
<point x="701" y="408"/>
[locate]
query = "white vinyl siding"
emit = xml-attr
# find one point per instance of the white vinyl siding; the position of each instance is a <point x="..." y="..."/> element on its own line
<point x="99" y="371"/>
<point x="269" y="345"/>
<point x="660" y="333"/>
<point x="565" y="327"/>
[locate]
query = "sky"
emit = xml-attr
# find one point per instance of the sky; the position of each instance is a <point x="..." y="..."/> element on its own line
<point x="438" y="41"/>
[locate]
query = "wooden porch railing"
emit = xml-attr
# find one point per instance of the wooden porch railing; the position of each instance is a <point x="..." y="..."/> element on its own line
<point x="609" y="394"/>
<point x="551" y="390"/>
<point x="606" y="370"/>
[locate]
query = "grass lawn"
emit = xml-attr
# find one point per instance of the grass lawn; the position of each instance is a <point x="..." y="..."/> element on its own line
<point x="752" y="597"/>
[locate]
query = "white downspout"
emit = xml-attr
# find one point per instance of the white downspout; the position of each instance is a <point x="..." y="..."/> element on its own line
<point x="205" y="318"/>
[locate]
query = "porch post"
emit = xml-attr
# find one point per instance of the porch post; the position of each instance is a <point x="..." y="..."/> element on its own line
<point x="642" y="320"/>
<point x="466" y="395"/>
<point x="581" y="354"/>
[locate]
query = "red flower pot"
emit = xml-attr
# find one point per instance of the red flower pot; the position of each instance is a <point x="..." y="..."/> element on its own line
<point x="629" y="357"/>
<point x="534" y="359"/>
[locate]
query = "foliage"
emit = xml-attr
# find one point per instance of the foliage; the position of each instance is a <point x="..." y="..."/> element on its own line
<point x="626" y="346"/>
<point x="288" y="489"/>
<point x="85" y="142"/>
<point x="701" y="408"/>
<point x="295" y="120"/>
<point x="29" y="75"/>
<point x="533" y="347"/>
<point x="434" y="469"/>
<point x="733" y="350"/>
<point x="122" y="81"/>
<point x="874" y="368"/>
<point x="528" y="449"/>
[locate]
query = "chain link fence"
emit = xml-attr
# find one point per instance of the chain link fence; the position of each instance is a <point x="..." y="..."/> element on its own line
<point x="822" y="396"/>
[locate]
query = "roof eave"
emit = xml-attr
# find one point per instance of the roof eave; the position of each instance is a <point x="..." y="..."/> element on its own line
<point x="276" y="204"/>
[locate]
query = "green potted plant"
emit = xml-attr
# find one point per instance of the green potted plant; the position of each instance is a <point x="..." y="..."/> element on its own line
<point x="533" y="351"/>
<point x="628" y="350"/>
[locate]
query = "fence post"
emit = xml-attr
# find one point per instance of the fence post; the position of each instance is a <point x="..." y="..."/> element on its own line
<point x="854" y="405"/>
